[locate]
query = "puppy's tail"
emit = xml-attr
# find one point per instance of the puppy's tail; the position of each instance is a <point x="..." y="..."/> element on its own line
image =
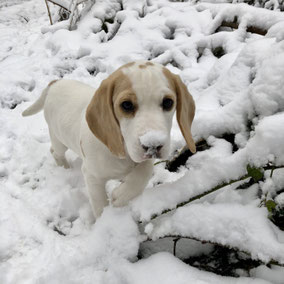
<point x="38" y="105"/>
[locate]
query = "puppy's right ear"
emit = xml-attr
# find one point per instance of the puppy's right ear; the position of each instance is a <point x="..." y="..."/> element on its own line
<point x="101" y="118"/>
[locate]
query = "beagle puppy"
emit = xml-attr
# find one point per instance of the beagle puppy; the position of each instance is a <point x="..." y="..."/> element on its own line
<point x="117" y="129"/>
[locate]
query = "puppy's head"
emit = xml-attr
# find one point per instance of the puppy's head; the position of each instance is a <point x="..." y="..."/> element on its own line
<point x="132" y="111"/>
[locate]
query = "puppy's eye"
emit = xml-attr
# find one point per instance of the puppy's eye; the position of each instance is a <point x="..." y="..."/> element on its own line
<point x="127" y="106"/>
<point x="167" y="104"/>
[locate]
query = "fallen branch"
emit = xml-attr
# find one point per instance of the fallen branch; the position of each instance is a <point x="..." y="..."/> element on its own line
<point x="181" y="158"/>
<point x="255" y="173"/>
<point x="176" y="238"/>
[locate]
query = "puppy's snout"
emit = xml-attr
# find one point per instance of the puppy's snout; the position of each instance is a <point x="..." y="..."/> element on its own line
<point x="152" y="151"/>
<point x="152" y="148"/>
<point x="152" y="143"/>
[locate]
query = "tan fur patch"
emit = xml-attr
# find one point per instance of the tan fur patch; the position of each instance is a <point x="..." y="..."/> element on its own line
<point x="142" y="66"/>
<point x="149" y="63"/>
<point x="52" y="82"/>
<point x="170" y="78"/>
<point x="103" y="112"/>
<point x="127" y="65"/>
<point x="119" y="98"/>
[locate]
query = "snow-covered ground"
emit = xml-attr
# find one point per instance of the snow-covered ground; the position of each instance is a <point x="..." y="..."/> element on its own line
<point x="47" y="232"/>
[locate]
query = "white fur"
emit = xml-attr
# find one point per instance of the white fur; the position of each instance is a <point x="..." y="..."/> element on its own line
<point x="150" y="88"/>
<point x="65" y="103"/>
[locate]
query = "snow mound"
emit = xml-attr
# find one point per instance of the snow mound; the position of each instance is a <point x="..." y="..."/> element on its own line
<point x="233" y="225"/>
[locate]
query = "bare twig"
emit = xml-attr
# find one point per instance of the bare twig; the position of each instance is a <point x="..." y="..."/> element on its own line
<point x="272" y="170"/>
<point x="58" y="4"/>
<point x="175" y="245"/>
<point x="201" y="195"/>
<point x="49" y="15"/>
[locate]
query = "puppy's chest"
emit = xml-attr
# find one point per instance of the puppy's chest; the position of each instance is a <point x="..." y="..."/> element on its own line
<point x="118" y="169"/>
<point x="109" y="167"/>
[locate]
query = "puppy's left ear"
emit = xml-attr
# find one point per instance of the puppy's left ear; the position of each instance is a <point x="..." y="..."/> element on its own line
<point x="185" y="108"/>
<point x="102" y="120"/>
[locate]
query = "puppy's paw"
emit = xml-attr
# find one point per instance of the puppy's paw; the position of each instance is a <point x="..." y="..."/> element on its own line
<point x="122" y="195"/>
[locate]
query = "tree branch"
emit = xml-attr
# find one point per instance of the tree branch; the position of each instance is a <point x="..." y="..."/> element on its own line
<point x="222" y="185"/>
<point x="177" y="237"/>
<point x="48" y="10"/>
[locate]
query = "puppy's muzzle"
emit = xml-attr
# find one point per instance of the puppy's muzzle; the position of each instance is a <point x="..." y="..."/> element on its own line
<point x="152" y="152"/>
<point x="152" y="143"/>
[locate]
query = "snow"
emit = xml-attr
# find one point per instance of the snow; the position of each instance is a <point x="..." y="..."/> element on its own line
<point x="49" y="258"/>
<point x="280" y="199"/>
<point x="227" y="224"/>
<point x="48" y="234"/>
<point x="165" y="268"/>
<point x="275" y="274"/>
<point x="266" y="144"/>
<point x="205" y="172"/>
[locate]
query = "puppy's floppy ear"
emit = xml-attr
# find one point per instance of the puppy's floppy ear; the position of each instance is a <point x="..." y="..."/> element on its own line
<point x="185" y="108"/>
<point x="101" y="118"/>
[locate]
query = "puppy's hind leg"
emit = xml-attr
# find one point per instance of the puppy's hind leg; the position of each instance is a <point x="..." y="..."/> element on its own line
<point x="58" y="150"/>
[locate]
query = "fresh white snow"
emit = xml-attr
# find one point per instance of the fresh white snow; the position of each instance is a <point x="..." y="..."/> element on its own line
<point x="241" y="227"/>
<point x="47" y="231"/>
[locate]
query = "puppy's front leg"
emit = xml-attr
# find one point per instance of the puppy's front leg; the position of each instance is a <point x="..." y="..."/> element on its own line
<point x="133" y="185"/>
<point x="97" y="192"/>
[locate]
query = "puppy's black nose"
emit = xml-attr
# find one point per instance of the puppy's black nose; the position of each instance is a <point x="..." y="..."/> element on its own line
<point x="152" y="152"/>
<point x="152" y="148"/>
<point x="152" y="143"/>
